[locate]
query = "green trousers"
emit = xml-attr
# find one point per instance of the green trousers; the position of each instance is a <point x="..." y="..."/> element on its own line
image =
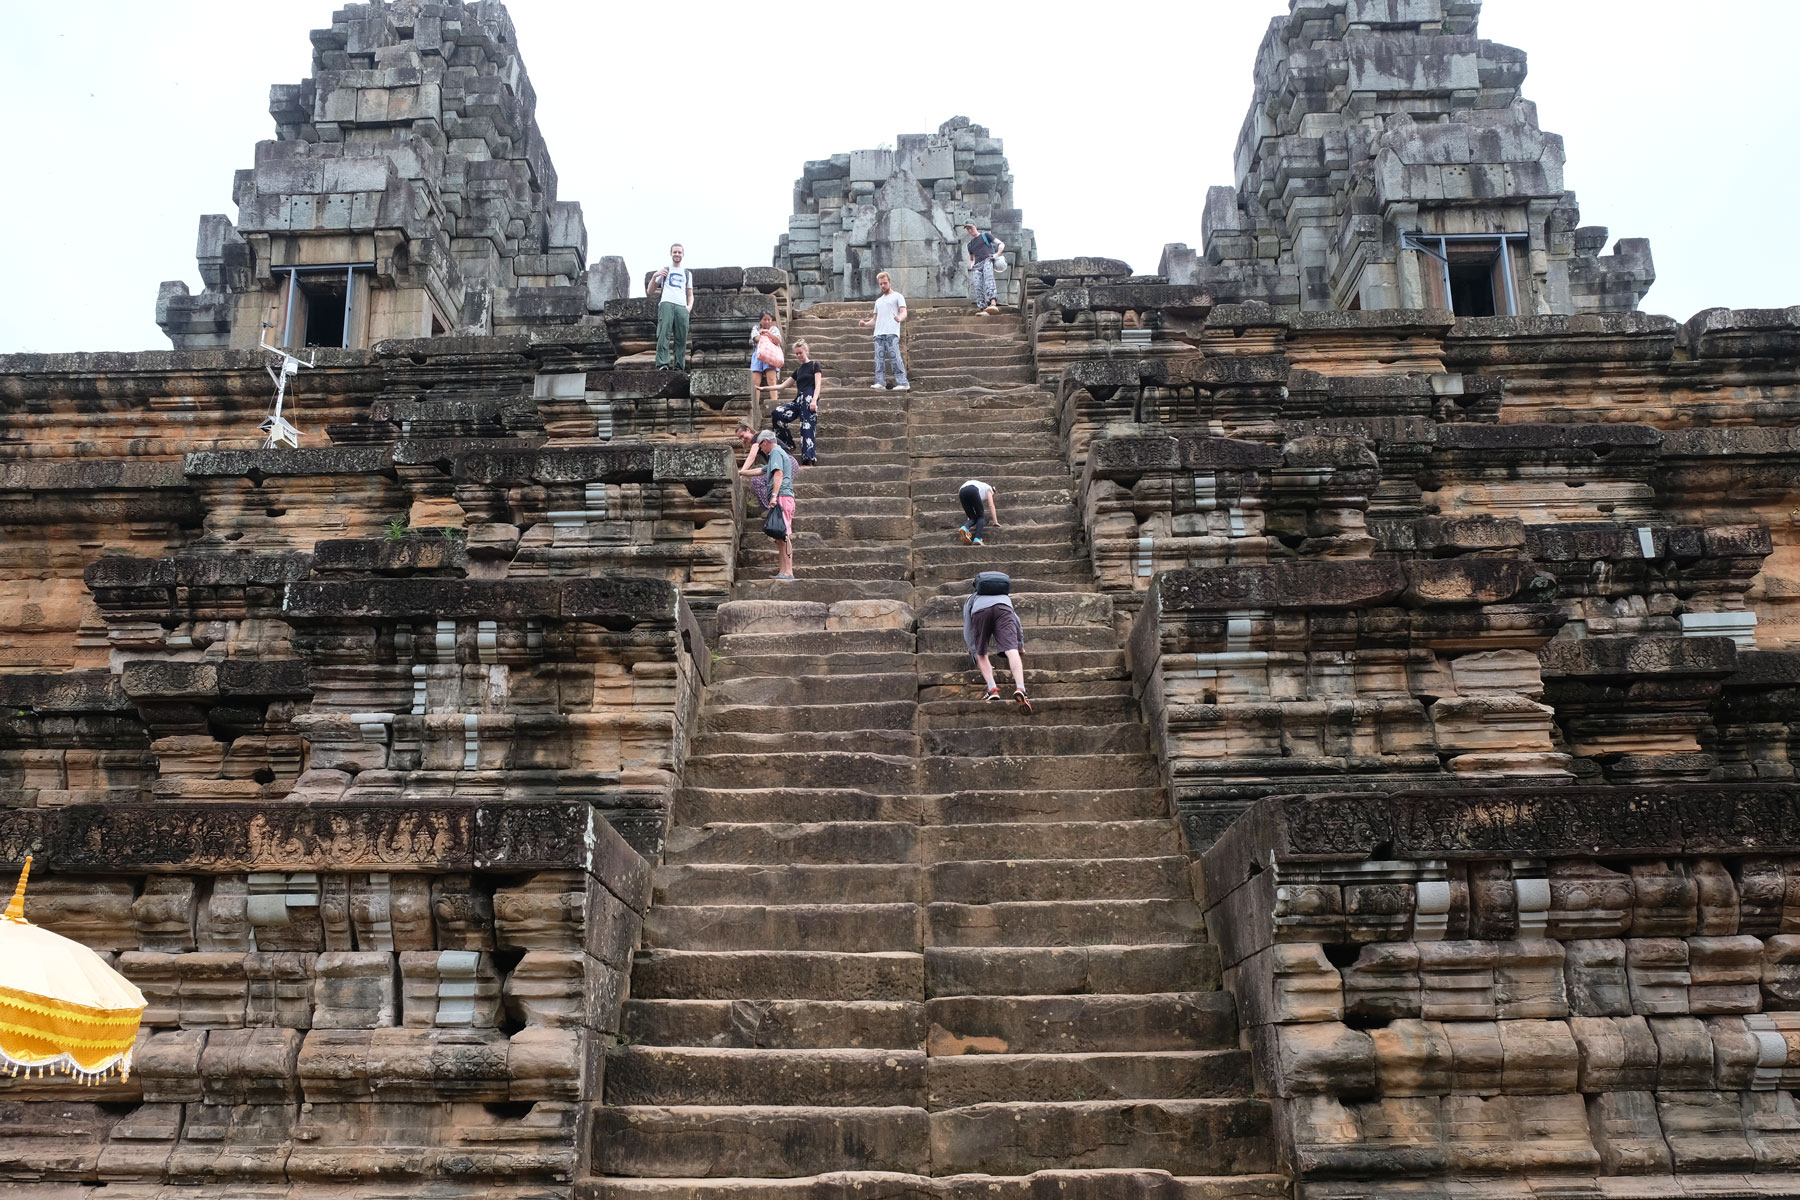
<point x="671" y="335"/>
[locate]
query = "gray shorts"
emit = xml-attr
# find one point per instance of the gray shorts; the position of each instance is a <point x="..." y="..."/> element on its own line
<point x="999" y="624"/>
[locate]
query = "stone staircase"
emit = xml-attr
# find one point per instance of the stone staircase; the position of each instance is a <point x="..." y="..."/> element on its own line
<point x="905" y="941"/>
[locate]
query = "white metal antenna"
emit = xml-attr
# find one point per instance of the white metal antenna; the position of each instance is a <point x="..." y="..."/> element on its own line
<point x="281" y="431"/>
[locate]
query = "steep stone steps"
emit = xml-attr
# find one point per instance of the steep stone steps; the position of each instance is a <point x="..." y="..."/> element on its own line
<point x="906" y="942"/>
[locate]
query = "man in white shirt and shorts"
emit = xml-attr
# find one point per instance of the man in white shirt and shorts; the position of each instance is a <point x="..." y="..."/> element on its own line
<point x="890" y="310"/>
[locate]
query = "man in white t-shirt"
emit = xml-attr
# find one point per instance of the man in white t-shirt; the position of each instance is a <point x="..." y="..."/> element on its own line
<point x="672" y="314"/>
<point x="890" y="310"/>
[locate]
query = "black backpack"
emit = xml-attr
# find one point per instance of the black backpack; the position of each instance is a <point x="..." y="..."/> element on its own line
<point x="993" y="583"/>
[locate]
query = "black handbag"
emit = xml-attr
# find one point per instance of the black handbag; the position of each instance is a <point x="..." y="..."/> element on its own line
<point x="775" y="524"/>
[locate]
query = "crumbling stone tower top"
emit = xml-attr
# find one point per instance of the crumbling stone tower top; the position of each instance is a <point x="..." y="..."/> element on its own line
<point x="407" y="192"/>
<point x="901" y="210"/>
<point x="1388" y="160"/>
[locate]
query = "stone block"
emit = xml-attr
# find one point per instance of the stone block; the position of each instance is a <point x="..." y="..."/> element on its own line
<point x="1525" y="1134"/>
<point x="1781" y="972"/>
<point x="1657" y="972"/>
<point x="1705" y="1131"/>
<point x="1537" y="1058"/>
<point x="1529" y="980"/>
<point x="449" y="989"/>
<point x="1614" y="1054"/>
<point x="1477" y="1056"/>
<point x="1627" y="1133"/>
<point x="1384" y="983"/>
<point x="1413" y="1058"/>
<point x="1457" y="980"/>
<point x="355" y="990"/>
<point x="1725" y="974"/>
<point x="1322" y="1058"/>
<point x="1595" y="976"/>
<point x="1684" y="1054"/>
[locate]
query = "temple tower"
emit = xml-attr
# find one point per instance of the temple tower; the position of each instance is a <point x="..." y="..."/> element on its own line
<point x="901" y="210"/>
<point x="407" y="192"/>
<point x="1389" y="160"/>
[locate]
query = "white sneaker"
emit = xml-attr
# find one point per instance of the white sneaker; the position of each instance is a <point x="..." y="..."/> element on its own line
<point x="901" y="387"/>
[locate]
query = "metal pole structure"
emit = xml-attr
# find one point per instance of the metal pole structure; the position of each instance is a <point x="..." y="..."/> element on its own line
<point x="1512" y="306"/>
<point x="350" y="299"/>
<point x="287" y="324"/>
<point x="1444" y="266"/>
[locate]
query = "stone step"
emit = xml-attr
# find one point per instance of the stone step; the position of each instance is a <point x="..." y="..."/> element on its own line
<point x="768" y="690"/>
<point x="820" y="843"/>
<point x="925" y="444"/>
<point x="1042" y="736"/>
<point x="777" y="1024"/>
<point x="1032" y="840"/>
<point x="873" y="772"/>
<point x="1186" y="1137"/>
<point x="930" y="503"/>
<point x="737" y="1141"/>
<point x="1046" y="574"/>
<point x="1054" y="805"/>
<point x="947" y="639"/>
<point x="1076" y="579"/>
<point x="1064" y="710"/>
<point x="1120" y="1184"/>
<point x="1081" y="1024"/>
<point x="841" y="483"/>
<point x="786" y="719"/>
<point x="698" y="806"/>
<point x="887" y="742"/>
<point x="1056" y="923"/>
<point x="989" y="881"/>
<point x="788" y="883"/>
<point x="1043" y="667"/>
<point x="850" y="928"/>
<point x="1074" y="673"/>
<point x="776" y="975"/>
<point x="974" y="458"/>
<point x="810" y="565"/>
<point x="828" y="641"/>
<point x="1069" y="970"/>
<point x="814" y="590"/>
<point x="827" y="591"/>
<point x="1057" y="532"/>
<point x="826" y="524"/>
<point x="689" y="1075"/>
<point x="1012" y="1078"/>
<point x="1034" y="771"/>
<point x="953" y="553"/>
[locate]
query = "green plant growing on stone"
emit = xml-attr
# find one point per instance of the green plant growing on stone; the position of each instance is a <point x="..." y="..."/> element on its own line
<point x="452" y="534"/>
<point x="396" y="531"/>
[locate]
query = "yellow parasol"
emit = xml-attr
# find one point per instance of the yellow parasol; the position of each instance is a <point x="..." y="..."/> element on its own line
<point x="61" y="1007"/>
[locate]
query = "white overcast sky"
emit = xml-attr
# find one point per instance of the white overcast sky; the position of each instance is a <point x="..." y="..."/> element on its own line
<point x="129" y="117"/>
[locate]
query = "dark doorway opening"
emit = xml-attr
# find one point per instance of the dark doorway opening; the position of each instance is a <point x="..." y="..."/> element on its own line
<point x="326" y="301"/>
<point x="1472" y="289"/>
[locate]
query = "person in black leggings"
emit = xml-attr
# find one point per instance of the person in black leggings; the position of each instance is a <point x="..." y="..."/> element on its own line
<point x="809" y="383"/>
<point x="978" y="503"/>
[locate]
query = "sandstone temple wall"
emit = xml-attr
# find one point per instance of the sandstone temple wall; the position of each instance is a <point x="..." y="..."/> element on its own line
<point x="350" y="756"/>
